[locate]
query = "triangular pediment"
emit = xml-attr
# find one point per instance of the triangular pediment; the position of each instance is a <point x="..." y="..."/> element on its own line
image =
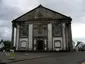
<point x="41" y="12"/>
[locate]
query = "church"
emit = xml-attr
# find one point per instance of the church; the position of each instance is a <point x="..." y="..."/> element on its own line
<point x="42" y="29"/>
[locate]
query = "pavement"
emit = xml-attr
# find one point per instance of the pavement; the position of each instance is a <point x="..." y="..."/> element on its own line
<point x="19" y="56"/>
<point x="44" y="58"/>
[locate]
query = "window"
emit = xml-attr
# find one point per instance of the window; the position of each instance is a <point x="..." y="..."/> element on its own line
<point x="57" y="29"/>
<point x="23" y="43"/>
<point x="40" y="30"/>
<point x="23" y="30"/>
<point x="57" y="43"/>
<point x="35" y="32"/>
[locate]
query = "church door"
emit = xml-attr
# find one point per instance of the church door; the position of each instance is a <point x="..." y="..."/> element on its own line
<point x="40" y="45"/>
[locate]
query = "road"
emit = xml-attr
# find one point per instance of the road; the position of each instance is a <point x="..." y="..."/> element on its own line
<point x="51" y="58"/>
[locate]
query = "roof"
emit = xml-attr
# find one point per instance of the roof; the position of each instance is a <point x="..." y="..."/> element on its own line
<point x="79" y="44"/>
<point x="41" y="12"/>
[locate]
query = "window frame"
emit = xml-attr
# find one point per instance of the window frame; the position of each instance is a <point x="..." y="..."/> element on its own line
<point x="23" y="26"/>
<point x="53" y="28"/>
<point x="56" y="42"/>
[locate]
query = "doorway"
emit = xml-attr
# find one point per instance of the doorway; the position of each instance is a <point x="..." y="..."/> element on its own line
<point x="40" y="45"/>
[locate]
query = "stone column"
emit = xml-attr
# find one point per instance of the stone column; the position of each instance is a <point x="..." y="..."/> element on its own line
<point x="30" y="36"/>
<point x="70" y="37"/>
<point x="50" y="37"/>
<point x="12" y="38"/>
<point x="17" y="37"/>
<point x="63" y="34"/>
<point x="66" y="34"/>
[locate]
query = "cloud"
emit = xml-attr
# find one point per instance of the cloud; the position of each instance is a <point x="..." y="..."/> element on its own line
<point x="7" y="14"/>
<point x="73" y="8"/>
<point x="11" y="9"/>
<point x="23" y="5"/>
<point x="78" y="30"/>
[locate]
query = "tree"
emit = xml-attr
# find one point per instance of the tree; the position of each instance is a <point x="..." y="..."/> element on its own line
<point x="7" y="44"/>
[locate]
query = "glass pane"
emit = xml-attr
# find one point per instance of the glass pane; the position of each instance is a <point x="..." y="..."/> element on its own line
<point x="23" y="44"/>
<point x="57" y="29"/>
<point x="24" y="30"/>
<point x="40" y="30"/>
<point x="57" y="44"/>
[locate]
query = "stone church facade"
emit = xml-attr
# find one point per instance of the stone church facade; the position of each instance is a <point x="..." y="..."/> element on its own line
<point x="42" y="29"/>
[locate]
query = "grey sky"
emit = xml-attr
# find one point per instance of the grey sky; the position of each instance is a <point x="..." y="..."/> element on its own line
<point x="10" y="9"/>
<point x="74" y="9"/>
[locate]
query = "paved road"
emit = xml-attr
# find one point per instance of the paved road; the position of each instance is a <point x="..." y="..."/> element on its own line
<point x="52" y="58"/>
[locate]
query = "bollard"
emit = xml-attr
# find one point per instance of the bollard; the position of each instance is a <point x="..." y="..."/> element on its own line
<point x="12" y="54"/>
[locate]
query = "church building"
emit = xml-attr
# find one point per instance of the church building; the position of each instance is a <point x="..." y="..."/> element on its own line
<point x="42" y="29"/>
